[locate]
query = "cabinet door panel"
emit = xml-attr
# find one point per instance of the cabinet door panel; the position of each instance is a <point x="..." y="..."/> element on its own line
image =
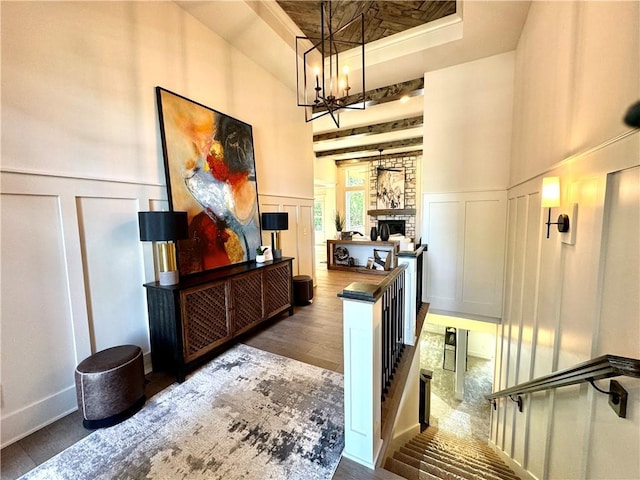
<point x="246" y="292"/>
<point x="278" y="288"/>
<point x="205" y="322"/>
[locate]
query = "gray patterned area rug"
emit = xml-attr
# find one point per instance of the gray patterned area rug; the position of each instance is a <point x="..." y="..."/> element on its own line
<point x="248" y="414"/>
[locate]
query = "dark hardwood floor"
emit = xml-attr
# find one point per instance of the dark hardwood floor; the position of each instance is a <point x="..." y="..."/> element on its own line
<point x="312" y="335"/>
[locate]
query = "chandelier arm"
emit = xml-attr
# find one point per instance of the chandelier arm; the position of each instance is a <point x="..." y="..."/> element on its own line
<point x="336" y="95"/>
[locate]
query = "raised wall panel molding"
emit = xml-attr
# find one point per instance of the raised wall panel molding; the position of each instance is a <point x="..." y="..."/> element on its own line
<point x="466" y="237"/>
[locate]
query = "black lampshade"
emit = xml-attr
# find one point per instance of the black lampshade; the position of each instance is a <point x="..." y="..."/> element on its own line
<point x="275" y="221"/>
<point x="162" y="226"/>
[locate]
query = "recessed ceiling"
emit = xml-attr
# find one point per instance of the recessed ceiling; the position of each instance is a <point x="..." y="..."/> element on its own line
<point x="382" y="18"/>
<point x="404" y="39"/>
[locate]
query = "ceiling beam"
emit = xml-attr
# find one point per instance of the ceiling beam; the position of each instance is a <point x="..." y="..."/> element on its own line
<point x="394" y="92"/>
<point x="389" y="93"/>
<point x="407" y="142"/>
<point x="350" y="161"/>
<point x="395" y="125"/>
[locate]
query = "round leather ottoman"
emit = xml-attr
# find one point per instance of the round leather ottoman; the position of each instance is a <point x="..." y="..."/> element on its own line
<point x="110" y="386"/>
<point x="302" y="289"/>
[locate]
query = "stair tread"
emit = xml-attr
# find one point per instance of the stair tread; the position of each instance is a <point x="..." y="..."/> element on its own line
<point x="478" y="457"/>
<point x="486" y="451"/>
<point x="501" y="471"/>
<point x="407" y="471"/>
<point x="468" y="472"/>
<point x="442" y="455"/>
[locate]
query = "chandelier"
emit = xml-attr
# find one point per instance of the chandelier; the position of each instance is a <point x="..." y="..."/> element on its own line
<point x="323" y="64"/>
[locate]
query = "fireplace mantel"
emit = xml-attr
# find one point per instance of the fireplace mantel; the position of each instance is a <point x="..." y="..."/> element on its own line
<point x="392" y="211"/>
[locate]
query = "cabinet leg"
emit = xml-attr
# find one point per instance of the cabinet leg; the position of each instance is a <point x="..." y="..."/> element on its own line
<point x="291" y="310"/>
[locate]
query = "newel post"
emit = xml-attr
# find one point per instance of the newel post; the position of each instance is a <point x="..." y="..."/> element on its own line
<point x="362" y="319"/>
<point x="413" y="291"/>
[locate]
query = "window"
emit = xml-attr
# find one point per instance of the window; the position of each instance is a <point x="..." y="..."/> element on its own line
<point x="355" y="190"/>
<point x="318" y="216"/>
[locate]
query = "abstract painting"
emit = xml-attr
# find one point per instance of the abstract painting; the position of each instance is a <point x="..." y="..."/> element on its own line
<point x="211" y="174"/>
<point x="390" y="183"/>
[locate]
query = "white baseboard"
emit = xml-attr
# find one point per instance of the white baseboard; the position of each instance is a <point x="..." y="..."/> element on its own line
<point x="32" y="418"/>
<point x="148" y="367"/>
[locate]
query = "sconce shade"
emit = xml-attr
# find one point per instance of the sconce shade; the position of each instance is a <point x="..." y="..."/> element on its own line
<point x="632" y="117"/>
<point x="162" y="226"/>
<point x="550" y="192"/>
<point x="275" y="221"/>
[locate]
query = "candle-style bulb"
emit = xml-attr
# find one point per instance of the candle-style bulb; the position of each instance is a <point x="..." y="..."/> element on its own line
<point x="345" y="70"/>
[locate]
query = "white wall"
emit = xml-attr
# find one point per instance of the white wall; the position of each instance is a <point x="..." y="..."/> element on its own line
<point x="577" y="71"/>
<point x="467" y="118"/>
<point x="81" y="155"/>
<point x="465" y="171"/>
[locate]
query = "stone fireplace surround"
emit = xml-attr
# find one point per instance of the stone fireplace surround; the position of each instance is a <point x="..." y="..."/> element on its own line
<point x="408" y="214"/>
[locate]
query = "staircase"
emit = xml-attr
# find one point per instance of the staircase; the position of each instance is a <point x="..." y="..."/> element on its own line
<point x="440" y="455"/>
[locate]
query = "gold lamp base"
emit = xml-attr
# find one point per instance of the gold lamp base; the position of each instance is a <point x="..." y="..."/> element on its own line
<point x="167" y="265"/>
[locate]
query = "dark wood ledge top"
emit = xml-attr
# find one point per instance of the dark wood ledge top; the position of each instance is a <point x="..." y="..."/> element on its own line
<point x="369" y="292"/>
<point x="413" y="253"/>
<point x="217" y="274"/>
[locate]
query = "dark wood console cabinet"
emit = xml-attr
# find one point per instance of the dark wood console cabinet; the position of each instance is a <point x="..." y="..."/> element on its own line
<point x="190" y="320"/>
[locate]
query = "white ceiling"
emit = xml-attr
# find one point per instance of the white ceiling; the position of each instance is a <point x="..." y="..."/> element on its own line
<point x="480" y="29"/>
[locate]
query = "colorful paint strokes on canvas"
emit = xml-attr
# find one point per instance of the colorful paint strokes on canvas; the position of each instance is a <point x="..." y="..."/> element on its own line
<point x="210" y="170"/>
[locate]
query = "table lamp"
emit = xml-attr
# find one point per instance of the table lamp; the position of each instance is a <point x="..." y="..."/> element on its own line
<point x="164" y="228"/>
<point x="276" y="222"/>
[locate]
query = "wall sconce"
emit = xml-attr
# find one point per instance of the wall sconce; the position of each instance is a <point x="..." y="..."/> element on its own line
<point x="551" y="199"/>
<point x="275" y="221"/>
<point x="164" y="228"/>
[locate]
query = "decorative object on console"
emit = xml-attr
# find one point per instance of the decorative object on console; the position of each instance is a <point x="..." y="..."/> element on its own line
<point x="384" y="232"/>
<point x="551" y="199"/>
<point x="164" y="228"/>
<point x="320" y="88"/>
<point x="381" y="259"/>
<point x="339" y="220"/>
<point x="275" y="222"/>
<point x="341" y="256"/>
<point x="210" y="170"/>
<point x="373" y="234"/>
<point x="260" y="254"/>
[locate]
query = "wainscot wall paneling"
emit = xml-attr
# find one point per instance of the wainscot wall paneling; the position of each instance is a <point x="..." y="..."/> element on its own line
<point x="465" y="233"/>
<point x="566" y="303"/>
<point x="73" y="268"/>
<point x="297" y="241"/>
<point x="620" y="332"/>
<point x="36" y="318"/>
<point x="108" y="229"/>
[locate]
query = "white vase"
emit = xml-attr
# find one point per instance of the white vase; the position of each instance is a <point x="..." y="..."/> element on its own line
<point x="260" y="258"/>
